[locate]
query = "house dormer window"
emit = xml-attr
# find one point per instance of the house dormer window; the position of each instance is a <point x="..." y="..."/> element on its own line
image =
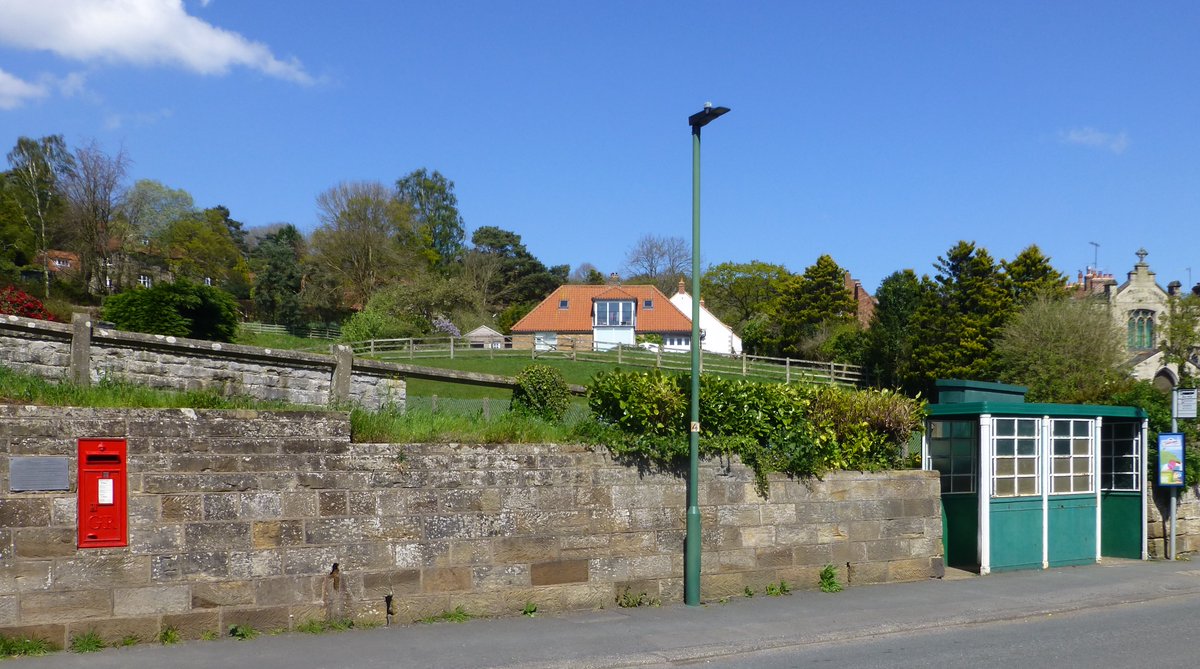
<point x="1141" y="330"/>
<point x="648" y="304"/>
<point x="614" y="312"/>
<point x="562" y="304"/>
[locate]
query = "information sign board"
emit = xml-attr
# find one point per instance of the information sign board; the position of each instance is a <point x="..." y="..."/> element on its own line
<point x="1170" y="460"/>
<point x="1185" y="403"/>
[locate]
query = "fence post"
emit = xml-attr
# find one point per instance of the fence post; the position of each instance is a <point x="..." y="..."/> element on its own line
<point x="487" y="408"/>
<point x="433" y="404"/>
<point x="410" y="348"/>
<point x="618" y="354"/>
<point x="658" y="356"/>
<point x="452" y="348"/>
<point x="372" y="344"/>
<point x="743" y="363"/>
<point x="787" y="363"/>
<point x="81" y="349"/>
<point x="339" y="390"/>
<point x="831" y="373"/>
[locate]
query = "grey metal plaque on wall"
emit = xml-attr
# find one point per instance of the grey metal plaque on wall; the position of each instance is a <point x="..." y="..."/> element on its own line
<point x="27" y="474"/>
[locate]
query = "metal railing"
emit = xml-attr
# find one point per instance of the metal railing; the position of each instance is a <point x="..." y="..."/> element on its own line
<point x="784" y="370"/>
<point x="319" y="332"/>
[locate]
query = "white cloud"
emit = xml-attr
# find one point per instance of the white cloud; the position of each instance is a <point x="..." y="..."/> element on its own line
<point x="115" y="121"/>
<point x="15" y="92"/>
<point x="142" y="32"/>
<point x="1096" y="139"/>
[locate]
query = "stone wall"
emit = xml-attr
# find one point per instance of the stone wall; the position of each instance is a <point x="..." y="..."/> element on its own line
<point x="86" y="354"/>
<point x="240" y="517"/>
<point x="1187" y="522"/>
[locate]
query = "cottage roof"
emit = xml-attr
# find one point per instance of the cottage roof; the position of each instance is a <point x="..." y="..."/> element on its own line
<point x="576" y="316"/>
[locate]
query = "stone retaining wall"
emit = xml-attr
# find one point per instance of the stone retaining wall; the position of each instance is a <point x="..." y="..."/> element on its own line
<point x="1187" y="522"/>
<point x="240" y="517"/>
<point x="86" y="354"/>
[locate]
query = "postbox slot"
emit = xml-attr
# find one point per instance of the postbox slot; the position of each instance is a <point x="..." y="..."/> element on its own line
<point x="102" y="458"/>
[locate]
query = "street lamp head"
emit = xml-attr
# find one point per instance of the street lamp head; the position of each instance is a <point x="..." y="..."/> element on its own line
<point x="706" y="116"/>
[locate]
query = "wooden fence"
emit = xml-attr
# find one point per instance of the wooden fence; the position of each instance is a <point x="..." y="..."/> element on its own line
<point x="784" y="370"/>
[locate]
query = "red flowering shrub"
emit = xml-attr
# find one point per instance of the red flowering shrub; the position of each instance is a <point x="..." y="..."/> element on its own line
<point x="19" y="303"/>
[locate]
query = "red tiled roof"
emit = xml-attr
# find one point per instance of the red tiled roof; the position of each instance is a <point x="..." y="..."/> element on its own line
<point x="577" y="317"/>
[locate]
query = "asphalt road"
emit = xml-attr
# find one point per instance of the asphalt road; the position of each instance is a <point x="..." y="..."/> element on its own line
<point x="1121" y="614"/>
<point x="1159" y="633"/>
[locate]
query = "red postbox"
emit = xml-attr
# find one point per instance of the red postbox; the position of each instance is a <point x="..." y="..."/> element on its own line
<point x="101" y="504"/>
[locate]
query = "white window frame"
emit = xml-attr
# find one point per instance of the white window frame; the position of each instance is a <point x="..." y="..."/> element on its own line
<point x="1071" y="456"/>
<point x="613" y="313"/>
<point x="1010" y="445"/>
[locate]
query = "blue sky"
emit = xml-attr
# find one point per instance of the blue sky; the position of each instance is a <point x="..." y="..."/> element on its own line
<point x="877" y="132"/>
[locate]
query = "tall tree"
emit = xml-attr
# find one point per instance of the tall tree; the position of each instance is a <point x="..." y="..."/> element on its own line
<point x="517" y="276"/>
<point x="365" y="240"/>
<point x="93" y="192"/>
<point x="814" y="304"/>
<point x="889" y="344"/>
<point x="961" y="313"/>
<point x="435" y="214"/>
<point x="587" y="273"/>
<point x="1063" y="350"/>
<point x="1030" y="274"/>
<point x="737" y="292"/>
<point x="38" y="169"/>
<point x="1181" y="334"/>
<point x="151" y="207"/>
<point x="200" y="249"/>
<point x="279" y="277"/>
<point x="659" y="260"/>
<point x="18" y="246"/>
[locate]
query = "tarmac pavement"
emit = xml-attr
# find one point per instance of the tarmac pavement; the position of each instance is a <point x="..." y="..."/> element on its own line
<point x="677" y="634"/>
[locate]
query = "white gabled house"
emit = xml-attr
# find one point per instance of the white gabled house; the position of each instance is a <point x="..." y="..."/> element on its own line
<point x="717" y="337"/>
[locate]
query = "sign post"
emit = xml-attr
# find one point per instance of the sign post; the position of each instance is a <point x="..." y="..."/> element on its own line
<point x="1171" y="474"/>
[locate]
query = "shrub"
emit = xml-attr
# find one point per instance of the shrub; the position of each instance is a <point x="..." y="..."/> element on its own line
<point x="541" y="391"/>
<point x="180" y="309"/>
<point x="797" y="430"/>
<point x="17" y="302"/>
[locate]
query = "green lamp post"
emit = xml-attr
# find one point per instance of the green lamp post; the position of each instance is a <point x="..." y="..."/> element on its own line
<point x="691" y="576"/>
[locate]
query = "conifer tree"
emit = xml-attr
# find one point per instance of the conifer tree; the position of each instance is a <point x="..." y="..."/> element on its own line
<point x="812" y="302"/>
<point x="1030" y="275"/>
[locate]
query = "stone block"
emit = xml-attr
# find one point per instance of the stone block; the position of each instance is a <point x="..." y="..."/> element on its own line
<point x="255" y="564"/>
<point x="260" y="506"/>
<point x="24" y="576"/>
<point x="114" y="570"/>
<point x="471" y="552"/>
<point x="151" y="600"/>
<point x="44" y="542"/>
<point x="221" y="507"/>
<point x="216" y="536"/>
<point x="740" y="515"/>
<point x="502" y="577"/>
<point x="742" y="559"/>
<point x="143" y="509"/>
<point x="456" y="526"/>
<point x="25" y="512"/>
<point x="758" y="537"/>
<point x="915" y="569"/>
<point x="515" y="550"/>
<point x="771" y="558"/>
<point x="192" y="566"/>
<point x="315" y="560"/>
<point x="859" y="573"/>
<point x="338" y="530"/>
<point x="301" y="504"/>
<point x="182" y="508"/>
<point x="363" y="503"/>
<point x="62" y="511"/>
<point x="332" y="503"/>
<point x="288" y="590"/>
<point x="55" y="634"/>
<point x="9" y="611"/>
<point x="264" y="619"/>
<point x="221" y="594"/>
<point x="399" y="581"/>
<point x="445" y="579"/>
<point x="57" y="607"/>
<point x="156" y="539"/>
<point x="194" y="625"/>
<point x="416" y="555"/>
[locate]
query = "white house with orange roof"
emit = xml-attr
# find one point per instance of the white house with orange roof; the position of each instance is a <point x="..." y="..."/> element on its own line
<point x="591" y="317"/>
<point x="717" y="337"/>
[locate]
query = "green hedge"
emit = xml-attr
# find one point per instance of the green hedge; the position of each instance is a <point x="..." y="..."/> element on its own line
<point x="794" y="429"/>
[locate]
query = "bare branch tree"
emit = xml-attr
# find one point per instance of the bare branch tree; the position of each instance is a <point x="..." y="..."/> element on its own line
<point x="93" y="192"/>
<point x="663" y="260"/>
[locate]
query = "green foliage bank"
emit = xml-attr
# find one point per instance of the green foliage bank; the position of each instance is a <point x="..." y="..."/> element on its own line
<point x="792" y="429"/>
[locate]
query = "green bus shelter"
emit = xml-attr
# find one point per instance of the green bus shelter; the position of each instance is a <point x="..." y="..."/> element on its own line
<point x="1032" y="486"/>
